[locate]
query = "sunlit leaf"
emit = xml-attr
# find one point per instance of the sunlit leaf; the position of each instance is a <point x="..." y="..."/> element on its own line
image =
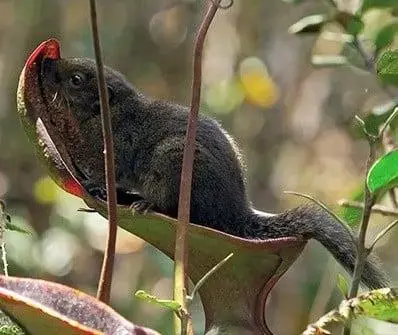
<point x="379" y="304"/>
<point x="384" y="172"/>
<point x="309" y="24"/>
<point x="342" y="285"/>
<point x="386" y="36"/>
<point x="387" y="67"/>
<point x="9" y="330"/>
<point x="381" y="309"/>
<point x="169" y="304"/>
<point x="8" y="326"/>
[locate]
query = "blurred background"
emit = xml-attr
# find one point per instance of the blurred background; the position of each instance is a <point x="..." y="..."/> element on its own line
<point x="293" y="122"/>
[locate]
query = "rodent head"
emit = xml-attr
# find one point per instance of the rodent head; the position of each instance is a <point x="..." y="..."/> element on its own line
<point x="70" y="93"/>
<point x="72" y="83"/>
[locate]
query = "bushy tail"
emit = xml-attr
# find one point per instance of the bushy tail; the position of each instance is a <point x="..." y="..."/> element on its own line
<point x="314" y="222"/>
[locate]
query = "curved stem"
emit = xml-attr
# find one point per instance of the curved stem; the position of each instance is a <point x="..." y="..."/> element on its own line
<point x="105" y="282"/>
<point x="184" y="203"/>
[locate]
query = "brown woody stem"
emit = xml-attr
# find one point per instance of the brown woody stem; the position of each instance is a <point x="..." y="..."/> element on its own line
<point x="184" y="204"/>
<point x="105" y="282"/>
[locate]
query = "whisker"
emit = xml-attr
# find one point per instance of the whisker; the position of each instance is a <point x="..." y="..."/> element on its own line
<point x="55" y="97"/>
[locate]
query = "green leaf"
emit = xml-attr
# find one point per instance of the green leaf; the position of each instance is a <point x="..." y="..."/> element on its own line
<point x="368" y="4"/>
<point x="12" y="227"/>
<point x="353" y="215"/>
<point x="170" y="304"/>
<point x="381" y="309"/>
<point x="352" y="24"/>
<point x="385" y="36"/>
<point x="10" y="330"/>
<point x="328" y="60"/>
<point x="342" y="285"/>
<point x="309" y="24"/>
<point x="387" y="67"/>
<point x="384" y="173"/>
<point x="8" y="326"/>
<point x="380" y="304"/>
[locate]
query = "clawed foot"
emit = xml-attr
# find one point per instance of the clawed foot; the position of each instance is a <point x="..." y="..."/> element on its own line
<point x="96" y="192"/>
<point x="141" y="206"/>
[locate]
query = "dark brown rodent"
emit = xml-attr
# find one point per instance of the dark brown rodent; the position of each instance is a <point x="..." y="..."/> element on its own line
<point x="149" y="140"/>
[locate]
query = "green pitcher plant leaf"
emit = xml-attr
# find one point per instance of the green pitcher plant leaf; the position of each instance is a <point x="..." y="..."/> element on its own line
<point x="239" y="288"/>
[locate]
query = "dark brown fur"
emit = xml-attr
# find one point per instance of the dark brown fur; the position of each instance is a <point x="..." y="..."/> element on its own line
<point x="149" y="140"/>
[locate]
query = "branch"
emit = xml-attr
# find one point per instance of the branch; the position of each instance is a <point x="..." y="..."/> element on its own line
<point x="184" y="203"/>
<point x="203" y="280"/>
<point x="3" y="224"/>
<point x="105" y="282"/>
<point x="382" y="233"/>
<point x="369" y="201"/>
<point x="368" y="204"/>
<point x="379" y="209"/>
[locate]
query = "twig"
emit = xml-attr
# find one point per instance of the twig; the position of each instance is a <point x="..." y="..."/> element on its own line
<point x="323" y="206"/>
<point x="362" y="251"/>
<point x="369" y="61"/>
<point x="382" y="233"/>
<point x="181" y="250"/>
<point x="379" y="209"/>
<point x="202" y="280"/>
<point x="3" y="217"/>
<point x="387" y="123"/>
<point x="105" y="282"/>
<point x="369" y="201"/>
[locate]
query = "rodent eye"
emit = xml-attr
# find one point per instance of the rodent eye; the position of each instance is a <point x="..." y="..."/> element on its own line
<point x="77" y="79"/>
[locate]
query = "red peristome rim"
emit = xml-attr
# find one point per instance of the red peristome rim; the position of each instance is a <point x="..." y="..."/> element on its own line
<point x="47" y="49"/>
<point x="51" y="49"/>
<point x="73" y="187"/>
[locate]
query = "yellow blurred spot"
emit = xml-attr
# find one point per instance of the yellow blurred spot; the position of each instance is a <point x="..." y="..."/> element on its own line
<point x="45" y="190"/>
<point x="259" y="87"/>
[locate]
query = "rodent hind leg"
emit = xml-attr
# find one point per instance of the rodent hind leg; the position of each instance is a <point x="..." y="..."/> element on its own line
<point x="142" y="206"/>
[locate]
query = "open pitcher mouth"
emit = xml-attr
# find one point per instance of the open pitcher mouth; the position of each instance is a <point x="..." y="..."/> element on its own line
<point x="31" y="79"/>
<point x="35" y="118"/>
<point x="47" y="49"/>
